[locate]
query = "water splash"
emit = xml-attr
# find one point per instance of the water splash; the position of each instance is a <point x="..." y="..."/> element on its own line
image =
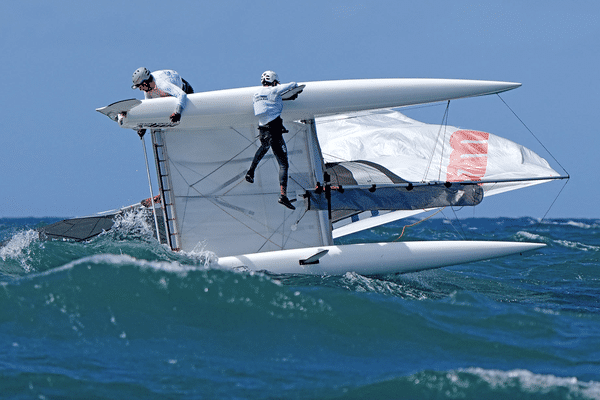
<point x="525" y="382"/>
<point x="358" y="283"/>
<point x="132" y="223"/>
<point x="18" y="248"/>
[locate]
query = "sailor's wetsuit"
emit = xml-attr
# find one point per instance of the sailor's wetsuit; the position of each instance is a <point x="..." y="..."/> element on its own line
<point x="268" y="105"/>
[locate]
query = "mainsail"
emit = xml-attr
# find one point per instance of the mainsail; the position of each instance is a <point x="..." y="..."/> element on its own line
<point x="420" y="152"/>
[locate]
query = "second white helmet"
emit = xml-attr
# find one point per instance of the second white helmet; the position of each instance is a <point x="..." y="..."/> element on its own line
<point x="269" y="77"/>
<point x="139" y="75"/>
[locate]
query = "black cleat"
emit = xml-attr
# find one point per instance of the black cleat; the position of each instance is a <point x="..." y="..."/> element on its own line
<point x="286" y="202"/>
<point x="249" y="178"/>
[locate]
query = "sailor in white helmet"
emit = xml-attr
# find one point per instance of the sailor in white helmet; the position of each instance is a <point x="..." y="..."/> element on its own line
<point x="162" y="83"/>
<point x="268" y="105"/>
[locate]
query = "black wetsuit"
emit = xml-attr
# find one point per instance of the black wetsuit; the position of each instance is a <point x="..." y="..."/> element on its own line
<point x="271" y="135"/>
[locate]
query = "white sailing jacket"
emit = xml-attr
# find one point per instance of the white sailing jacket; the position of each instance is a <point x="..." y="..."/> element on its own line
<point x="268" y="103"/>
<point x="168" y="83"/>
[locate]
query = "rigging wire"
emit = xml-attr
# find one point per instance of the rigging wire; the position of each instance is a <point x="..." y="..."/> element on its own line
<point x="551" y="155"/>
<point x="443" y="126"/>
<point x="222" y="165"/>
<point x="539" y="224"/>
<point x="532" y="134"/>
<point x="464" y="235"/>
<point x="151" y="190"/>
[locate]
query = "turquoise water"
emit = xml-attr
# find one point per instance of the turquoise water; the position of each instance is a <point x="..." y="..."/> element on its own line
<point x="121" y="317"/>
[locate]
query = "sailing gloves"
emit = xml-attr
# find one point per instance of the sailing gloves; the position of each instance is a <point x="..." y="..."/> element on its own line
<point x="175" y="117"/>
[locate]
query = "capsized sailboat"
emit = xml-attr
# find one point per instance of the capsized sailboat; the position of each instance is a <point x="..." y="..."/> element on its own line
<point x="207" y="204"/>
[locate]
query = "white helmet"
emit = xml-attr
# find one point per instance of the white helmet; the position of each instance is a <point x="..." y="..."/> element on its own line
<point x="140" y="75"/>
<point x="269" y="77"/>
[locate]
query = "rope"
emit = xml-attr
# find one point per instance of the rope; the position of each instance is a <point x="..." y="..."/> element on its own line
<point x="416" y="223"/>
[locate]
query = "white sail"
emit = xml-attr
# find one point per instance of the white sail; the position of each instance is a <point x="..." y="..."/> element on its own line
<point x="218" y="210"/>
<point x="420" y="152"/>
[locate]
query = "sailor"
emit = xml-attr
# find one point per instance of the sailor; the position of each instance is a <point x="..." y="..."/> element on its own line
<point x="268" y="105"/>
<point x="163" y="83"/>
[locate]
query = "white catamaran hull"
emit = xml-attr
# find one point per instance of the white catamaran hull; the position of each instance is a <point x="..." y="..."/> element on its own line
<point x="233" y="107"/>
<point x="375" y="258"/>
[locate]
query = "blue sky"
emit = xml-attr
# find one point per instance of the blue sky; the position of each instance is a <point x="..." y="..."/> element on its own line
<point x="63" y="59"/>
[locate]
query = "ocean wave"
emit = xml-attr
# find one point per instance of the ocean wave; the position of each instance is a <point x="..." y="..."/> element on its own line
<point x="588" y="224"/>
<point x="124" y="316"/>
<point x="576" y="245"/>
<point x="478" y="383"/>
<point x="17" y="245"/>
<point x="17" y="251"/>
<point x="563" y="243"/>
<point x="91" y="293"/>
<point x="27" y="252"/>
<point x="532" y="236"/>
<point x="582" y="225"/>
<point x="530" y="382"/>
<point x="359" y="283"/>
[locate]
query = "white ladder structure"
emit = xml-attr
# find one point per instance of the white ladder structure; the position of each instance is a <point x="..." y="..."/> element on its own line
<point x="166" y="193"/>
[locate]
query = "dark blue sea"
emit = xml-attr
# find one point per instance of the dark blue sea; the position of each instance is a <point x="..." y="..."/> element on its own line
<point x="122" y="317"/>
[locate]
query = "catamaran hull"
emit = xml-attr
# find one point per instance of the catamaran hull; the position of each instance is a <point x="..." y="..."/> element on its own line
<point x="233" y="107"/>
<point x="375" y="258"/>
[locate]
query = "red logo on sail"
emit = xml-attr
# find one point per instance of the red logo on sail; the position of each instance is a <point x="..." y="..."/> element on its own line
<point x="468" y="159"/>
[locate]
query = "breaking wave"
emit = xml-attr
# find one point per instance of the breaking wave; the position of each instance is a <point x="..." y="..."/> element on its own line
<point x="479" y="383"/>
<point x="18" y="247"/>
<point x="563" y="243"/>
<point x="587" y="224"/>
